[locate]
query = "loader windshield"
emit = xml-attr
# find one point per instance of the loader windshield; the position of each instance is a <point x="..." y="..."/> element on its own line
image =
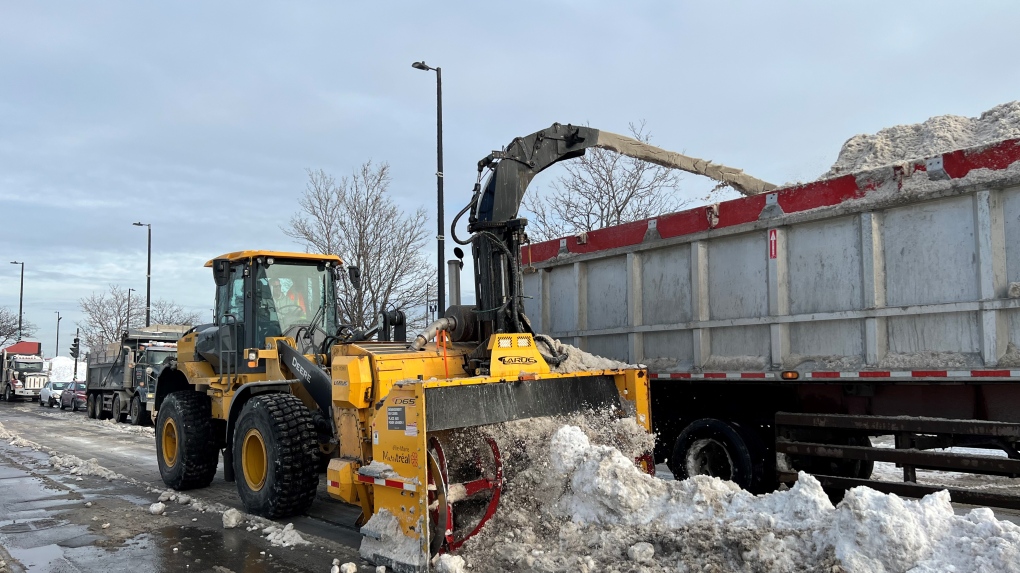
<point x="295" y="294"/>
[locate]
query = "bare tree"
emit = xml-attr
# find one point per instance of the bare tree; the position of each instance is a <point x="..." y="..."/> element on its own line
<point x="9" y="326"/>
<point x="168" y="312"/>
<point x="106" y="316"/>
<point x="603" y="188"/>
<point x="356" y="219"/>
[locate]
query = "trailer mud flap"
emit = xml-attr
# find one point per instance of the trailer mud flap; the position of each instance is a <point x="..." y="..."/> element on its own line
<point x="465" y="406"/>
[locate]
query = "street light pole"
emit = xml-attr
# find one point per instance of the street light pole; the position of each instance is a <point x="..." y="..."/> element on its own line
<point x="441" y="291"/>
<point x="56" y="348"/>
<point x="148" y="274"/>
<point x="128" y="327"/>
<point x="21" y="297"/>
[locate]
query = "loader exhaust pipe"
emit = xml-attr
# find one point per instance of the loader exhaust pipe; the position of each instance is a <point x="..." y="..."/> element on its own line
<point x="314" y="379"/>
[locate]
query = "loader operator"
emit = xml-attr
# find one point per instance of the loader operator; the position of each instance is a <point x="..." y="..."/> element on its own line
<point x="290" y="305"/>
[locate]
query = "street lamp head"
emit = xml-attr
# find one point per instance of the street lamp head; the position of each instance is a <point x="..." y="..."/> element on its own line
<point x="16" y="263"/>
<point x="420" y="66"/>
<point x="140" y="224"/>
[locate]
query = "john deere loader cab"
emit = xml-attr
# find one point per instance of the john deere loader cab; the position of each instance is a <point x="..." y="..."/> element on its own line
<point x="266" y="295"/>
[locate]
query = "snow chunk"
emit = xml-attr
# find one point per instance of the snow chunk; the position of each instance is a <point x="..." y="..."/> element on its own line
<point x="232" y="518"/>
<point x="349" y="568"/>
<point x="641" y="552"/>
<point x="286" y="536"/>
<point x="377" y="469"/>
<point x="157" y="508"/>
<point x="450" y="564"/>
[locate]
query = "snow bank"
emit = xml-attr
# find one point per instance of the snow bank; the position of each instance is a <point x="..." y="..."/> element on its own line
<point x="932" y="137"/>
<point x="62" y="369"/>
<point x="586" y="507"/>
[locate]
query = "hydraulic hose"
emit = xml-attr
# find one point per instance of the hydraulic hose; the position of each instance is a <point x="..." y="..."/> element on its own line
<point x="447" y="323"/>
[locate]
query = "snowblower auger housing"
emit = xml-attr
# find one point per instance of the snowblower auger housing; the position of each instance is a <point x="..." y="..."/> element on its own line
<point x="412" y="419"/>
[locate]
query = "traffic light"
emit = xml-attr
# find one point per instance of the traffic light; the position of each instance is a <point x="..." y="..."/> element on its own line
<point x="75" y="350"/>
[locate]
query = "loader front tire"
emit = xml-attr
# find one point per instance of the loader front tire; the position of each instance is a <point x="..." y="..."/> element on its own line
<point x="185" y="446"/>
<point x="276" y="455"/>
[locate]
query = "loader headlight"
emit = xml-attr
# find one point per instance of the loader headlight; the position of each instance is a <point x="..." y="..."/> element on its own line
<point x="253" y="355"/>
<point x="505" y="342"/>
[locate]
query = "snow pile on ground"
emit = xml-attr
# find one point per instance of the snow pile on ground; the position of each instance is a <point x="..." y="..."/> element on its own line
<point x="587" y="507"/>
<point x="20" y="442"/>
<point x="75" y="466"/>
<point x="157" y="508"/>
<point x="285" y="536"/>
<point x="62" y="369"/>
<point x="4" y="434"/>
<point x="932" y="137"/>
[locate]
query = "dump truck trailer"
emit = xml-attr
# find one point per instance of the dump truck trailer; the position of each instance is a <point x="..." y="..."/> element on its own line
<point x="786" y="329"/>
<point x="121" y="379"/>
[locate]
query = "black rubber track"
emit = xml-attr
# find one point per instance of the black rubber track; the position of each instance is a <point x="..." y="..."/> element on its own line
<point x="197" y="455"/>
<point x="293" y="455"/>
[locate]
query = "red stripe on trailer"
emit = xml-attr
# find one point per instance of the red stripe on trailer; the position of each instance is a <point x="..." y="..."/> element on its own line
<point x="715" y="375"/>
<point x="819" y="194"/>
<point x="997" y="156"/>
<point x="990" y="373"/>
<point x="929" y="373"/>
<point x="874" y="374"/>
<point x="825" y="375"/>
<point x="683" y="223"/>
<point x="752" y="375"/>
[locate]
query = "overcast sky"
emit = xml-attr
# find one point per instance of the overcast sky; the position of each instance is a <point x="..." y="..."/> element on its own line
<point x="202" y="117"/>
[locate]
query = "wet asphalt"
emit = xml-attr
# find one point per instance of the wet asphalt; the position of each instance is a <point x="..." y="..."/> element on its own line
<point x="46" y="526"/>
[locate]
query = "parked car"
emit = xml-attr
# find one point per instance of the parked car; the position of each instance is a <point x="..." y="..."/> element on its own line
<point x="73" y="396"/>
<point x="50" y="393"/>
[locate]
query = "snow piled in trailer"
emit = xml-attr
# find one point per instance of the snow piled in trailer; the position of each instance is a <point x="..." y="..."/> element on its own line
<point x="937" y="135"/>
<point x="582" y="505"/>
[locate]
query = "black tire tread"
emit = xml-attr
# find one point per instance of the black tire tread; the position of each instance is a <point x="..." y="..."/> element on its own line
<point x="197" y="448"/>
<point x="295" y="478"/>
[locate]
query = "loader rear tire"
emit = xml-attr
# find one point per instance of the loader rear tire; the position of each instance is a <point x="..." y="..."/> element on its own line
<point x="713" y="447"/>
<point x="276" y="456"/>
<point x="185" y="445"/>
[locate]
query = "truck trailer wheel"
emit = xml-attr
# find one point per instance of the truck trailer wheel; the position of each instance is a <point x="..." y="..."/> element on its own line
<point x="185" y="446"/>
<point x="276" y="455"/>
<point x="118" y="409"/>
<point x="714" y="448"/>
<point x="139" y="415"/>
<point x="90" y="406"/>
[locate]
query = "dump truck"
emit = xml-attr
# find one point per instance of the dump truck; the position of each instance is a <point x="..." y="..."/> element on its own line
<point x="23" y="371"/>
<point x="787" y="329"/>
<point x="121" y="377"/>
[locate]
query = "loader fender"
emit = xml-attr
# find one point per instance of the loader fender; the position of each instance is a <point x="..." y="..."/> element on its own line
<point x="245" y="393"/>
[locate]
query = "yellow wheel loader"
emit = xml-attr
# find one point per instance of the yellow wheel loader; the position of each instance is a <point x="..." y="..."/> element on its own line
<point x="280" y="387"/>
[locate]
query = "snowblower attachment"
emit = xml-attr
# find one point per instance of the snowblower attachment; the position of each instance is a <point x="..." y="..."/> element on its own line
<point x="435" y="478"/>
